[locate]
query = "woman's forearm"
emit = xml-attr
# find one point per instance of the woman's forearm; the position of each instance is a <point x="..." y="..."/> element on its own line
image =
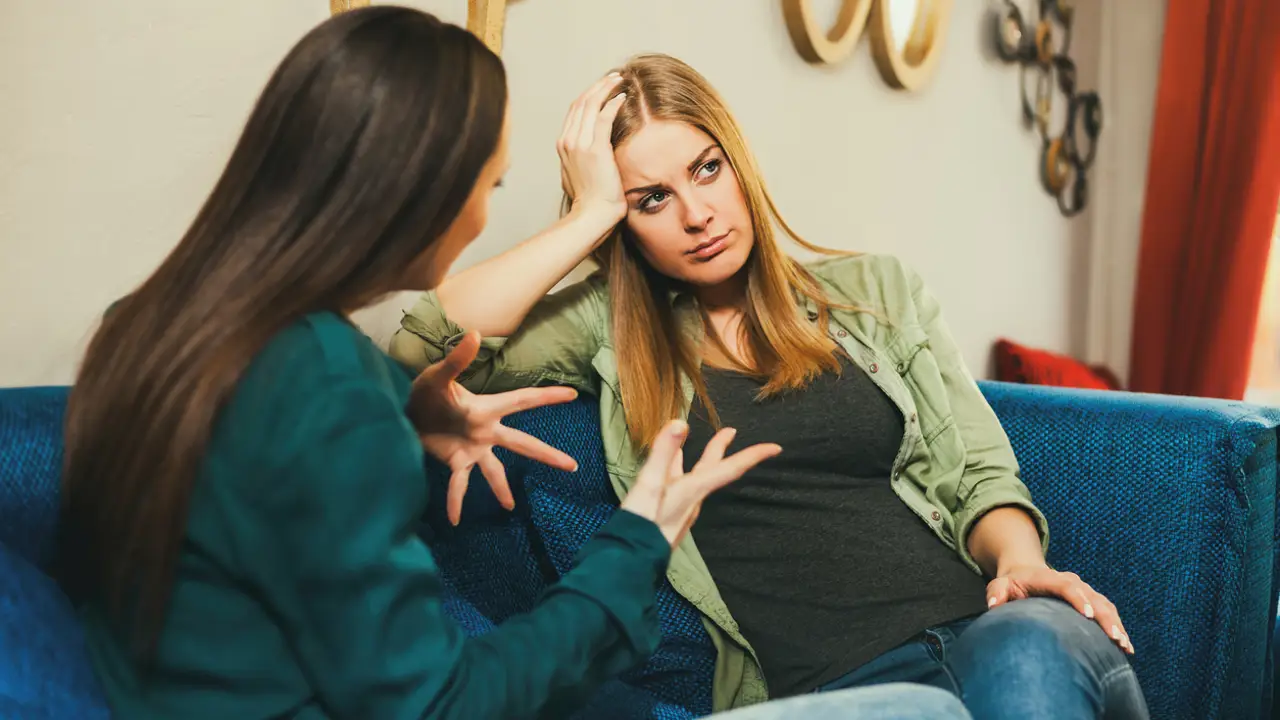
<point x="1005" y="538"/>
<point x="494" y="296"/>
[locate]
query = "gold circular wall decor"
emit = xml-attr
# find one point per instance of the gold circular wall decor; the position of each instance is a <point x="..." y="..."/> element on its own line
<point x="1044" y="42"/>
<point x="821" y="46"/>
<point x="1057" y="168"/>
<point x="907" y="63"/>
<point x="337" y="7"/>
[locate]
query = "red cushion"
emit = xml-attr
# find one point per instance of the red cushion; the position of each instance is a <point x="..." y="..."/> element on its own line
<point x="1020" y="364"/>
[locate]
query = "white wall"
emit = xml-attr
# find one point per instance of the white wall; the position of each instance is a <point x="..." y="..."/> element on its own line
<point x="117" y="117"/>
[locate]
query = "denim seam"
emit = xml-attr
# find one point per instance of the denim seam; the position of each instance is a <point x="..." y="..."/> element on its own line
<point x="1114" y="674"/>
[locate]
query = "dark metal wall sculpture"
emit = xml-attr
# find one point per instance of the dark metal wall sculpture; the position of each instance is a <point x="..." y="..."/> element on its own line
<point x="1048" y="76"/>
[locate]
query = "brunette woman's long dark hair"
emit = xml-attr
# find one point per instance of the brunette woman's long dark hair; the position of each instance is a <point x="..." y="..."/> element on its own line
<point x="362" y="149"/>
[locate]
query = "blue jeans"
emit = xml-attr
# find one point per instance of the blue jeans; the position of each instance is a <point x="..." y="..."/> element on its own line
<point x="1027" y="659"/>
<point x="884" y="702"/>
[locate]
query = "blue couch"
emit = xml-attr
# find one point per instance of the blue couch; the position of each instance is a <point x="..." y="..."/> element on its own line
<point x="1168" y="506"/>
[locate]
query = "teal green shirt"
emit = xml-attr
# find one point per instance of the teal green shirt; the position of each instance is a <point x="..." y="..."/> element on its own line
<point x="303" y="590"/>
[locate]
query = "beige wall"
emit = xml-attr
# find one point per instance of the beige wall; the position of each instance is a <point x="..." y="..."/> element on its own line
<point x="117" y="117"/>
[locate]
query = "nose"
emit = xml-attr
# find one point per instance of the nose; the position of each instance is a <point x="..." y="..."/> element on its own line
<point x="697" y="214"/>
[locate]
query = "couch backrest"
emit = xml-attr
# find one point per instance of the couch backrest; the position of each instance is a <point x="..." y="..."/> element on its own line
<point x="495" y="564"/>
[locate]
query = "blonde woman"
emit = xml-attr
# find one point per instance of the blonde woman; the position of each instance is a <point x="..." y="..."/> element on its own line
<point x="892" y="540"/>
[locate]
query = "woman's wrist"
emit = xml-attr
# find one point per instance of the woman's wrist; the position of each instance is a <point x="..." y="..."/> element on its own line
<point x="1004" y="539"/>
<point x="597" y="219"/>
<point x="1005" y="566"/>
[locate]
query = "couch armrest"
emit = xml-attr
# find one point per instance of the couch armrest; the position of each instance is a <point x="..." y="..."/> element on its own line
<point x="1168" y="506"/>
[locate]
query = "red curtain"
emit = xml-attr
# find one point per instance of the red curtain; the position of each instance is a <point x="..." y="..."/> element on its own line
<point x="1213" y="182"/>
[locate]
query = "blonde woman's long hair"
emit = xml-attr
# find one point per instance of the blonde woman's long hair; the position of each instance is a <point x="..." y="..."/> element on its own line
<point x="781" y="347"/>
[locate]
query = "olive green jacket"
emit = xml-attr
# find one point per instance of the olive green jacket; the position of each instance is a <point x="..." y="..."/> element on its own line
<point x="954" y="465"/>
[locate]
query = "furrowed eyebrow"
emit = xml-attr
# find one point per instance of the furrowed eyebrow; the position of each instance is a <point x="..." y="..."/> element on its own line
<point x="702" y="157"/>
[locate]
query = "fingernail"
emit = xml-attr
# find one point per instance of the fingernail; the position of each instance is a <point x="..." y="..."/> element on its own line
<point x="1088" y="611"/>
<point x="1115" y="633"/>
<point x="1128" y="643"/>
<point x="991" y="602"/>
<point x="678" y="428"/>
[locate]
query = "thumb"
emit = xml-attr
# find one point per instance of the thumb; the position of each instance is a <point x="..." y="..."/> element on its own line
<point x="997" y="592"/>
<point x="662" y="455"/>
<point x="458" y="360"/>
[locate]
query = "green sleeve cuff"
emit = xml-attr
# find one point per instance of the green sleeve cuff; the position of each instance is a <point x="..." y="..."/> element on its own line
<point x="985" y="499"/>
<point x="427" y="335"/>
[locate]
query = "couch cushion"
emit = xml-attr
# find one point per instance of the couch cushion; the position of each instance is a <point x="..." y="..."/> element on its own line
<point x="500" y="562"/>
<point x="567" y="509"/>
<point x="30" y="466"/>
<point x="44" y="670"/>
<point x="1022" y="364"/>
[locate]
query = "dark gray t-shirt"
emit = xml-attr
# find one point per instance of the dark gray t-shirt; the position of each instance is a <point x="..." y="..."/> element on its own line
<point x="820" y="562"/>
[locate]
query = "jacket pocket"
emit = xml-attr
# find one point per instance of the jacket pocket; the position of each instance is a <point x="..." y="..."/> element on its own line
<point x="915" y="363"/>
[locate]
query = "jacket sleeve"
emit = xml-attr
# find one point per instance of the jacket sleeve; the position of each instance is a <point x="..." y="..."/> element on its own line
<point x="991" y="476"/>
<point x="553" y="346"/>
<point x="359" y="597"/>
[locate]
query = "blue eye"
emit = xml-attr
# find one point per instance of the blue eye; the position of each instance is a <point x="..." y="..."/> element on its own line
<point x="709" y="169"/>
<point x="651" y="201"/>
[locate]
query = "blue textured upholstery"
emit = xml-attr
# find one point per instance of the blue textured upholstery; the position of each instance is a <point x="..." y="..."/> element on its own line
<point x="43" y="668"/>
<point x="30" y="465"/>
<point x="1167" y="505"/>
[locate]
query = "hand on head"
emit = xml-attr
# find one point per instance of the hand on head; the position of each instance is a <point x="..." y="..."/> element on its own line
<point x="588" y="171"/>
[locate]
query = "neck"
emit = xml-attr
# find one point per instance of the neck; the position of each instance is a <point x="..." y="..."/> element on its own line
<point x="725" y="297"/>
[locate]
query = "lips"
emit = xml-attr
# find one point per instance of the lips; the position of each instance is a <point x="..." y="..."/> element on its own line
<point x="710" y="248"/>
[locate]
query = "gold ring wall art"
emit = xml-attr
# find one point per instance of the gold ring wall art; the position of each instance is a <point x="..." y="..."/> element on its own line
<point x="341" y="6"/>
<point x="1041" y="49"/>
<point x="906" y="35"/>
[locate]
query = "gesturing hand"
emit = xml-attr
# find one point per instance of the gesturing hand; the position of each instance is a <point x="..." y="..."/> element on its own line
<point x="588" y="171"/>
<point x="461" y="429"/>
<point x="1019" y="583"/>
<point x="671" y="498"/>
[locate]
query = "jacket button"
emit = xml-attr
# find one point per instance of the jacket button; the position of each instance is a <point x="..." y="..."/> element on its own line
<point x="874" y="368"/>
<point x="936" y="516"/>
<point x="913" y="417"/>
<point x="813" y="315"/>
<point x="842" y="333"/>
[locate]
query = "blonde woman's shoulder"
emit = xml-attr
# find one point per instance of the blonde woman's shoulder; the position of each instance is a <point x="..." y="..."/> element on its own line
<point x="867" y="277"/>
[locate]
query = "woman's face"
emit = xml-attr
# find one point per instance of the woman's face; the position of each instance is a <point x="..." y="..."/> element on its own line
<point x="684" y="203"/>
<point x="433" y="265"/>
